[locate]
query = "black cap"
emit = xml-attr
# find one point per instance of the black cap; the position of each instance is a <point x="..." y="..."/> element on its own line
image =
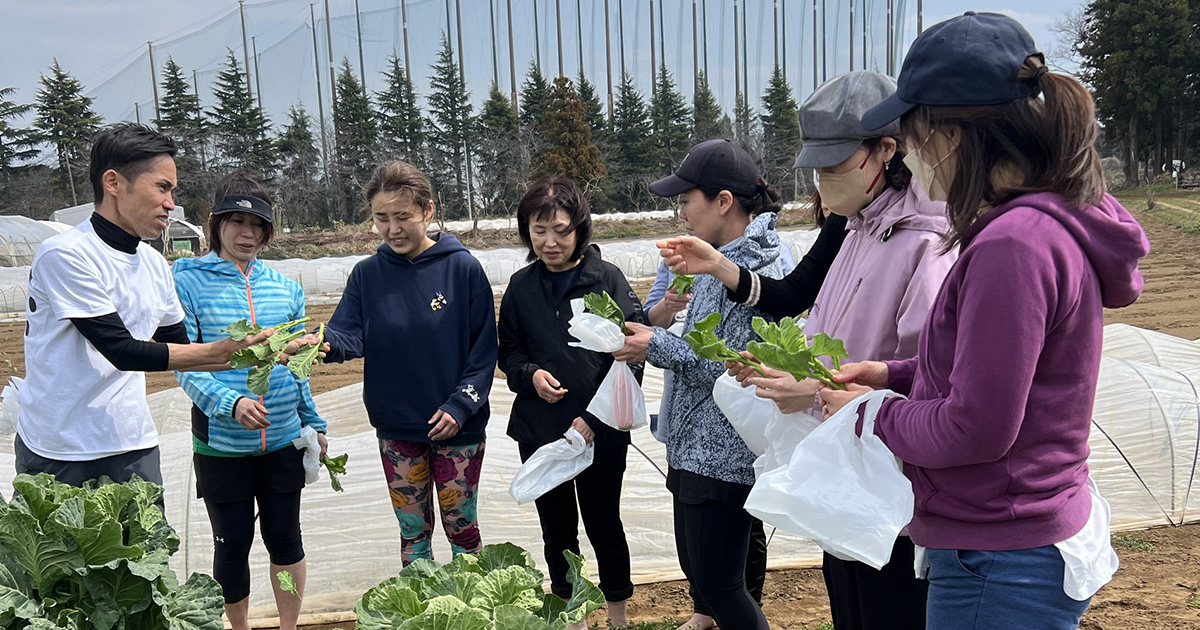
<point x="717" y="164"/>
<point x="247" y="204"/>
<point x="972" y="59"/>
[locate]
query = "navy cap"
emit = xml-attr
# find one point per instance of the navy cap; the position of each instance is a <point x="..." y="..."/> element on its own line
<point x="247" y="204"/>
<point x="716" y="164"/>
<point x="972" y="59"/>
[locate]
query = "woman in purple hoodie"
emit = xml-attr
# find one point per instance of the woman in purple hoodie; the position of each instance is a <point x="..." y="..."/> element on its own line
<point x="876" y="296"/>
<point x="994" y="432"/>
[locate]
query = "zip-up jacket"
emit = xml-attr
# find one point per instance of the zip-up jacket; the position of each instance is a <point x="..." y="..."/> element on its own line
<point x="883" y="281"/>
<point x="215" y="293"/>
<point x="533" y="336"/>
<point x="426" y="331"/>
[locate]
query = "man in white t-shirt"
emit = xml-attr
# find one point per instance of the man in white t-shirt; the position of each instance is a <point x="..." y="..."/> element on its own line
<point x="102" y="311"/>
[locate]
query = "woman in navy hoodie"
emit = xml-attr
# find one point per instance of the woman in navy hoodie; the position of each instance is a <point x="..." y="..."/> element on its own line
<point x="994" y="432"/>
<point x="420" y="313"/>
<point x="554" y="382"/>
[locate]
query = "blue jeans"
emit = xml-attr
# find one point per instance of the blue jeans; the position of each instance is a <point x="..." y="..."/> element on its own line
<point x="1000" y="590"/>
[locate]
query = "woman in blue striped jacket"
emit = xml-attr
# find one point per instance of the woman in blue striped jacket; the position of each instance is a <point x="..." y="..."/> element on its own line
<point x="242" y="442"/>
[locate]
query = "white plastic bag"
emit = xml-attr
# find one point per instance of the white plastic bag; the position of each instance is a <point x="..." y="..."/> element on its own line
<point x="847" y="493"/>
<point x="308" y="443"/>
<point x="759" y="420"/>
<point x="10" y="407"/>
<point x="551" y="466"/>
<point x="619" y="402"/>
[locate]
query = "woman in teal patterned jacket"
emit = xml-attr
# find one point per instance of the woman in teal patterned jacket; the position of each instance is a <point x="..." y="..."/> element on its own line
<point x="244" y="455"/>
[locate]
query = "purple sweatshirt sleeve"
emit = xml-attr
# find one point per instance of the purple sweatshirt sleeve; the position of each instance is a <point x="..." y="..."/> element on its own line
<point x="1005" y="303"/>
<point x="900" y="375"/>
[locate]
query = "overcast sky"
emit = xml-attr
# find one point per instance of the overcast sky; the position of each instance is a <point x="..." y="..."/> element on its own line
<point x="94" y="39"/>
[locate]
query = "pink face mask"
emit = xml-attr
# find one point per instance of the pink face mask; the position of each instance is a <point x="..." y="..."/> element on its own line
<point x="847" y="193"/>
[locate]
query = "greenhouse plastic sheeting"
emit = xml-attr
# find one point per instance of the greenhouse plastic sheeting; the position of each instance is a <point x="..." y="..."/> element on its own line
<point x="637" y="259"/>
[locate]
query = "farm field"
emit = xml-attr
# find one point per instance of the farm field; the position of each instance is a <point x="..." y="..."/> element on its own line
<point x="1158" y="585"/>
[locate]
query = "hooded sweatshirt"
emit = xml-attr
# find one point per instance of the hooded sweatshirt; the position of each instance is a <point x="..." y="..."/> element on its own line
<point x="426" y="329"/>
<point x="883" y="281"/>
<point x="215" y="293"/>
<point x="994" y="435"/>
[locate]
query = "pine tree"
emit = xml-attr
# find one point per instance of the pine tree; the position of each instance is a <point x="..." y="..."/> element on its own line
<point x="535" y="93"/>
<point x="502" y="169"/>
<point x="356" y="139"/>
<point x="181" y="118"/>
<point x="66" y="122"/>
<point x="745" y="122"/>
<point x="299" y="195"/>
<point x="401" y="126"/>
<point x="451" y="132"/>
<point x="567" y="148"/>
<point x="593" y="110"/>
<point x="706" y="112"/>
<point x="780" y="133"/>
<point x="16" y="145"/>
<point x="632" y="165"/>
<point x="239" y="126"/>
<point x="671" y="120"/>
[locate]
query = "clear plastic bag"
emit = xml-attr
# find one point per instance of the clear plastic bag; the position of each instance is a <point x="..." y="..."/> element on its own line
<point x="759" y="421"/>
<point x="846" y="493"/>
<point x="551" y="466"/>
<point x="619" y="402"/>
<point x="308" y="443"/>
<point x="10" y="408"/>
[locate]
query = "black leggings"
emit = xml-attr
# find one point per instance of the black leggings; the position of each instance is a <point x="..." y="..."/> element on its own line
<point x="756" y="569"/>
<point x="233" y="535"/>
<point x="712" y="539"/>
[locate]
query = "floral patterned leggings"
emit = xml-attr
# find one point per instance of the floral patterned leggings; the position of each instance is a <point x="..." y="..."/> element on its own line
<point x="409" y="468"/>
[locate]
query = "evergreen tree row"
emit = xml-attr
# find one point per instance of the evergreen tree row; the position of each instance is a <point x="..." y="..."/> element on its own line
<point x="478" y="163"/>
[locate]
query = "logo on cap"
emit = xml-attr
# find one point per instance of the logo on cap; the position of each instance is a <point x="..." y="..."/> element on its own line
<point x="244" y="203"/>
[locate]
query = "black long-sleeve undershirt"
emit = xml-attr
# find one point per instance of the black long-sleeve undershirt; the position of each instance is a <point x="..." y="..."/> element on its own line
<point x="796" y="292"/>
<point x="110" y="337"/>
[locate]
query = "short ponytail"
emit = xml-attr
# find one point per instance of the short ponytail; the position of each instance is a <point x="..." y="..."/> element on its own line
<point x="766" y="198"/>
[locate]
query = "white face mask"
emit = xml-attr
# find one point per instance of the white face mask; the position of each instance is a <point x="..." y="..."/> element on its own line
<point x="926" y="174"/>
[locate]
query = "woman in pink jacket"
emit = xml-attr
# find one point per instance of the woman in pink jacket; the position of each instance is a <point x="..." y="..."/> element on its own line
<point x="875" y="298"/>
<point x="994" y="432"/>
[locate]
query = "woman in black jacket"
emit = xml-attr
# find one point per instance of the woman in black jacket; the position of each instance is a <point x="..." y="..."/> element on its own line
<point x="554" y="382"/>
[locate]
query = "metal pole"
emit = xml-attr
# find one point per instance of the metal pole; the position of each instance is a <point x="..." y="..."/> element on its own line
<point x="920" y="16"/>
<point x="824" y="44"/>
<point x="775" y="32"/>
<point x="404" y="16"/>
<point x="257" y="77"/>
<point x="815" y="42"/>
<point x="245" y="44"/>
<point x="621" y="34"/>
<point x="449" y="28"/>
<point x="662" y="33"/>
<point x="66" y="151"/>
<point x="608" y="57"/>
<point x="579" y="33"/>
<point x="537" y="39"/>
<point x="462" y="77"/>
<point x="737" y="64"/>
<point x="196" y="91"/>
<point x="558" y="30"/>
<point x="783" y="29"/>
<point x="332" y="74"/>
<point x="704" y="25"/>
<point x="362" y="72"/>
<point x="154" y="80"/>
<point x="890" y="58"/>
<point x="695" y="52"/>
<point x="745" y="54"/>
<point x="512" y="60"/>
<point x="865" y="27"/>
<point x="320" y="104"/>
<point x="495" y="62"/>
<point x="137" y="113"/>
<point x="653" y="62"/>
<point x="852" y="34"/>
